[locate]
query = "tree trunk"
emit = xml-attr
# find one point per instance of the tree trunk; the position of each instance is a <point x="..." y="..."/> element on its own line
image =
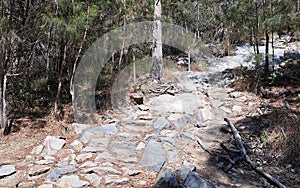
<point x="267" y="38"/>
<point x="60" y="80"/>
<point x="256" y="27"/>
<point x="157" y="63"/>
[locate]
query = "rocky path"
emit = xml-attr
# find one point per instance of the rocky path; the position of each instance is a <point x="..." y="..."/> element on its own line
<point x="130" y="149"/>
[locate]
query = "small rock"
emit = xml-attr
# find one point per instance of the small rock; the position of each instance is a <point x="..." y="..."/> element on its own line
<point x="53" y="144"/>
<point x="88" y="164"/>
<point x="194" y="180"/>
<point x="37" y="170"/>
<point x="153" y="156"/>
<point x="80" y="127"/>
<point x="235" y="94"/>
<point x="183" y="171"/>
<point x="94" y="179"/>
<point x="143" y="107"/>
<point x="37" y="150"/>
<point x="160" y="124"/>
<point x="6" y="170"/>
<point x="76" y="145"/>
<point x="46" y="186"/>
<point x="115" y="180"/>
<point x="83" y="157"/>
<point x="206" y="114"/>
<point x="166" y="178"/>
<point x="58" y="172"/>
<point x="62" y="154"/>
<point x="72" y="181"/>
<point x="140" y="146"/>
<point x="134" y="172"/>
<point x="242" y="99"/>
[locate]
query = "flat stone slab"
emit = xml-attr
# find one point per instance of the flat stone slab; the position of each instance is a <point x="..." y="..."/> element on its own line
<point x="161" y="123"/>
<point x="6" y="170"/>
<point x="153" y="156"/>
<point x="53" y="144"/>
<point x="72" y="181"/>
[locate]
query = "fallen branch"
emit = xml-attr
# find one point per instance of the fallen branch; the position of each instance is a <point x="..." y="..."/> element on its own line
<point x="244" y="156"/>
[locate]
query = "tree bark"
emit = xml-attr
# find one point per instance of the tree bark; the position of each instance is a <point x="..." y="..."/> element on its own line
<point x="157" y="63"/>
<point x="267" y="38"/>
<point x="60" y="80"/>
<point x="256" y="27"/>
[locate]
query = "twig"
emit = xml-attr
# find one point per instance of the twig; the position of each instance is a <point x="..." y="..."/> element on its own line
<point x="244" y="156"/>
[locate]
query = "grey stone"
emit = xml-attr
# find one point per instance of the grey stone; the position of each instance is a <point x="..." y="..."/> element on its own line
<point x="179" y="120"/>
<point x="216" y="103"/>
<point x="139" y="126"/>
<point x="183" y="172"/>
<point x="153" y="156"/>
<point x="44" y="162"/>
<point x="242" y="99"/>
<point x="108" y="170"/>
<point x="103" y="155"/>
<point x="189" y="103"/>
<point x="6" y="170"/>
<point x="88" y="164"/>
<point x="171" y="151"/>
<point x="143" y="107"/>
<point x="37" y="170"/>
<point x="115" y="180"/>
<point x="53" y="144"/>
<point x="110" y="128"/>
<point x="123" y="149"/>
<point x="166" y="179"/>
<point x="206" y="114"/>
<point x="194" y="180"/>
<point x="93" y="149"/>
<point x="161" y="123"/>
<point x="72" y="181"/>
<point x="91" y="133"/>
<point x="58" y="172"/>
<point x="80" y="127"/>
<point x="94" y="179"/>
<point x="140" y="146"/>
<point x="37" y="150"/>
<point x="46" y="186"/>
<point x="130" y="160"/>
<point x="83" y="157"/>
<point x="128" y="137"/>
<point x="76" y="145"/>
<point x="235" y="94"/>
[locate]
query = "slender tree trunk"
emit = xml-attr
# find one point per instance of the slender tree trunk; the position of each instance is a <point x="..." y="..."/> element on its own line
<point x="60" y="80"/>
<point x="124" y="31"/>
<point x="267" y="38"/>
<point x="256" y="28"/>
<point x="157" y="63"/>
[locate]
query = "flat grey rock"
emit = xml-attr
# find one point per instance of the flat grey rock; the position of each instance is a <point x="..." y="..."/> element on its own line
<point x="179" y="120"/>
<point x="80" y="127"/>
<point x="37" y="150"/>
<point x="76" y="145"/>
<point x="94" y="179"/>
<point x="115" y="180"/>
<point x="167" y="179"/>
<point x="183" y="172"/>
<point x="37" y="170"/>
<point x="123" y="149"/>
<point x="153" y="156"/>
<point x="194" y="180"/>
<point x="6" y="170"/>
<point x="58" y="172"/>
<point x="53" y="145"/>
<point x="161" y="123"/>
<point x="72" y="181"/>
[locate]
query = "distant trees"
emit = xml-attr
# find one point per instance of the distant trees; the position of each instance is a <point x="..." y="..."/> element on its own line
<point x="41" y="42"/>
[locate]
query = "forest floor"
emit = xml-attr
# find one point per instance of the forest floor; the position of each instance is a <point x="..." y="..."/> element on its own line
<point x="271" y="129"/>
